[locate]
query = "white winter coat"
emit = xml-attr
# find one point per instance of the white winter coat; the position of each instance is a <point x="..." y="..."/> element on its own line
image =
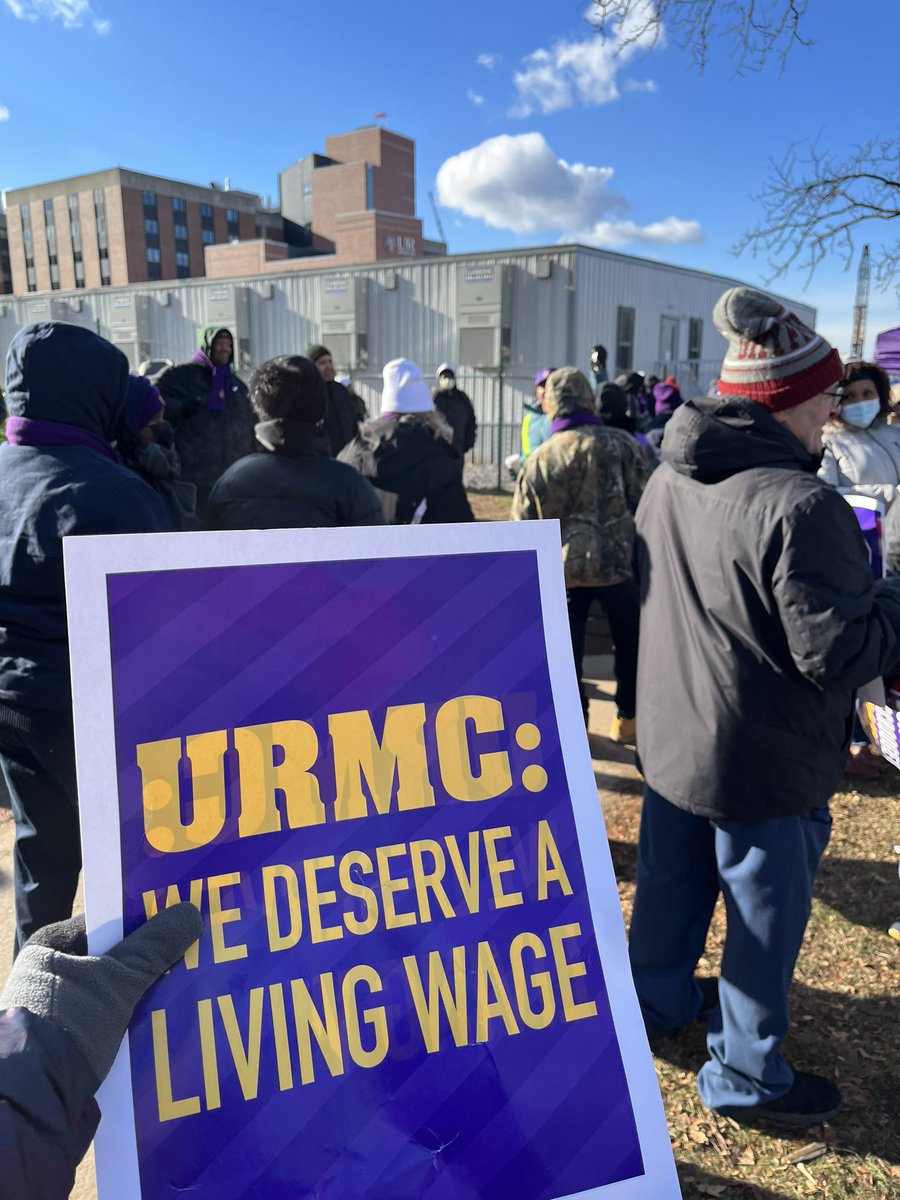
<point x="864" y="461"/>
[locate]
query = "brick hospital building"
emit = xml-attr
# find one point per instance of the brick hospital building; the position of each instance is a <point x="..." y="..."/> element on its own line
<point x="353" y="204"/>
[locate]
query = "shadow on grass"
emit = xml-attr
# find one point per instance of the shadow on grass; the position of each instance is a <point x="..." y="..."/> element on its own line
<point x="624" y="857"/>
<point x="854" y="1041"/>
<point x="603" y="750"/>
<point x="697" y="1184"/>
<point x="866" y="892"/>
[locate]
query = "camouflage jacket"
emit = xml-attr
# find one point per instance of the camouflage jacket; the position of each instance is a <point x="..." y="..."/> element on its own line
<point x="590" y="478"/>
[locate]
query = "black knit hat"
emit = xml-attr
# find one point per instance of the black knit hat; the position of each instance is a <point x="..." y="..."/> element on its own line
<point x="315" y="352"/>
<point x="612" y="401"/>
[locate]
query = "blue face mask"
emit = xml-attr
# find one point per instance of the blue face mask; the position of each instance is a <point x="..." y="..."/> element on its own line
<point x="861" y="414"/>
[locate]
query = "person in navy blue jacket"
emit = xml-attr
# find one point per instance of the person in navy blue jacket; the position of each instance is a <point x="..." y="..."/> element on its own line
<point x="59" y="477"/>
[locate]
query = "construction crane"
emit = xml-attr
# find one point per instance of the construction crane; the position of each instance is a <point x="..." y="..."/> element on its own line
<point x="437" y="217"/>
<point x="861" y="307"/>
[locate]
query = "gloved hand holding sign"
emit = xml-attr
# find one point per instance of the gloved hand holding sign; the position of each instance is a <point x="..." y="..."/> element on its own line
<point x="64" y="1016"/>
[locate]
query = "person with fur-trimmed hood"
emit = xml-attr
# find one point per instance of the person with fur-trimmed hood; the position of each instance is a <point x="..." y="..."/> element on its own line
<point x="590" y="477"/>
<point x="294" y="483"/>
<point x="407" y="454"/>
<point x="206" y="401"/>
<point x="455" y="406"/>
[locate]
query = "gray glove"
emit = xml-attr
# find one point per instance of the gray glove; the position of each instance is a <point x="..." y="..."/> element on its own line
<point x="93" y="998"/>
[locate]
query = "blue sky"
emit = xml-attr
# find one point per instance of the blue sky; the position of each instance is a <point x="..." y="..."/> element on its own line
<point x="527" y="128"/>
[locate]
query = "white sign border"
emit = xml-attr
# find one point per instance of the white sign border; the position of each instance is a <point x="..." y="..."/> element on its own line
<point x="88" y="562"/>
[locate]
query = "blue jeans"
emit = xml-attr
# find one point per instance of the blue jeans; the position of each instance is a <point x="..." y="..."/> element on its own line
<point x="765" y="871"/>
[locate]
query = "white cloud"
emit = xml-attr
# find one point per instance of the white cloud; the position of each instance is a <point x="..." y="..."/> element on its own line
<point x="4" y="113"/>
<point x="639" y="85"/>
<point x="72" y="13"/>
<point x="475" y="97"/>
<point x="488" y="61"/>
<point x="518" y="183"/>
<point x="669" y="232"/>
<point x="582" y="72"/>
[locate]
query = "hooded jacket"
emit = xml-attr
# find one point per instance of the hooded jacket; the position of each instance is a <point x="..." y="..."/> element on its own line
<point x="64" y="375"/>
<point x="759" y="618"/>
<point x="535" y="427"/>
<point x="341" y="416"/>
<point x="295" y="484"/>
<point x="208" y="441"/>
<point x="411" y="459"/>
<point x="863" y="461"/>
<point x="589" y="478"/>
<point x="456" y="409"/>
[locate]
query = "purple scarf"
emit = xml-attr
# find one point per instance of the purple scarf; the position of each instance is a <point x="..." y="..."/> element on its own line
<point x="220" y="385"/>
<point x="580" y="417"/>
<point x="23" y="431"/>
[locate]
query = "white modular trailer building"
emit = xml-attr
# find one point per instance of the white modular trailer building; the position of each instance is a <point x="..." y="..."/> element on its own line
<point x="497" y="317"/>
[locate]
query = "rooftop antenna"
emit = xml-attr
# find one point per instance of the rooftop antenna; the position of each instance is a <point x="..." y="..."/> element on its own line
<point x="437" y="217"/>
<point x="860" y="307"/>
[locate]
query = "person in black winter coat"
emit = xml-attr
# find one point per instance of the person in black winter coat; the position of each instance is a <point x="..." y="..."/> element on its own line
<point x="62" y="1018"/>
<point x="407" y="454"/>
<point x="342" y="412"/>
<point x="294" y="483"/>
<point x="59" y="477"/>
<point x="207" y="405"/>
<point x="759" y="619"/>
<point x="146" y="444"/>
<point x="456" y="408"/>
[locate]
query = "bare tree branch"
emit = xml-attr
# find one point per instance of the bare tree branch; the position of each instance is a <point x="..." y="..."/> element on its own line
<point x="814" y="202"/>
<point x="757" y="30"/>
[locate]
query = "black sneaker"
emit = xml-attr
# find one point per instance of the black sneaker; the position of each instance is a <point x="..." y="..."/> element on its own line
<point x="810" y="1100"/>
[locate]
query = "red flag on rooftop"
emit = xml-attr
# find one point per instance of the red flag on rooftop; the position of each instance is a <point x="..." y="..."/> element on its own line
<point x="379" y="116"/>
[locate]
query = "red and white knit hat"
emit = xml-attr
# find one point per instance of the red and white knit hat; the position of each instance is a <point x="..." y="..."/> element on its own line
<point x="772" y="357"/>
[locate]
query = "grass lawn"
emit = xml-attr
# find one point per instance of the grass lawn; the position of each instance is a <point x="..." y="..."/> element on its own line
<point x="490" y="506"/>
<point x="846" y="1015"/>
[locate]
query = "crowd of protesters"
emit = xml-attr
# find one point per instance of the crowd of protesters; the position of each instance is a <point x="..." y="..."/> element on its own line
<point x="712" y="531"/>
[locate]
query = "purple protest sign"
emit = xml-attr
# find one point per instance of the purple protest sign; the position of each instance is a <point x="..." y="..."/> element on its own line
<point x="361" y="754"/>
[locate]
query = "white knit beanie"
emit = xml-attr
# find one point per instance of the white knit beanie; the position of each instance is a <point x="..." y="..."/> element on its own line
<point x="404" y="389"/>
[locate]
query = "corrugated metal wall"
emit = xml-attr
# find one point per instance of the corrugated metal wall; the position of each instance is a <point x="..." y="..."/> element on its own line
<point x="562" y="301"/>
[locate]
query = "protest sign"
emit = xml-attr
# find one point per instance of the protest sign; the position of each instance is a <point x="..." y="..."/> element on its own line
<point x="362" y="754"/>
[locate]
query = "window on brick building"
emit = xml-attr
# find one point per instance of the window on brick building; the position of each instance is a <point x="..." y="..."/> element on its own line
<point x="28" y="246"/>
<point x="102" y="236"/>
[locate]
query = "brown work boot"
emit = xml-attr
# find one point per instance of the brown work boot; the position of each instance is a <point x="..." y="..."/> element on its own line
<point x="623" y="730"/>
